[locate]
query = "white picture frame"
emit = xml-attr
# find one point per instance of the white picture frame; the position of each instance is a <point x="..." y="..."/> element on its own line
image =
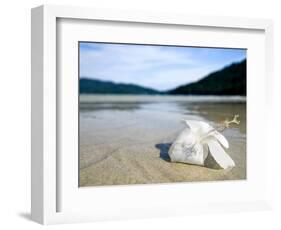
<point x="46" y="182"/>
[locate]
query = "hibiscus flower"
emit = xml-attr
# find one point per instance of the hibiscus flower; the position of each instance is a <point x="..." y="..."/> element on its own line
<point x="199" y="139"/>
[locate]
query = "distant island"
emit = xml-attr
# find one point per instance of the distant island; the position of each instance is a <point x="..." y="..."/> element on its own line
<point x="231" y="80"/>
<point x="94" y="86"/>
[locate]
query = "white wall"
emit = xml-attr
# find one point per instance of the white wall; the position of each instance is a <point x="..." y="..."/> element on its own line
<point x="15" y="114"/>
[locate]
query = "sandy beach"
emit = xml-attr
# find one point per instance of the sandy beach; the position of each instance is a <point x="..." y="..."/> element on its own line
<point x="125" y="139"/>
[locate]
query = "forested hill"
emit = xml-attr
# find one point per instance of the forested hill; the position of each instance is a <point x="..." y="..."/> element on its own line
<point x="94" y="86"/>
<point x="230" y="80"/>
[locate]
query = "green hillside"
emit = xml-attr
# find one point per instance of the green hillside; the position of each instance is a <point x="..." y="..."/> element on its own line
<point x="230" y="80"/>
<point x="93" y="86"/>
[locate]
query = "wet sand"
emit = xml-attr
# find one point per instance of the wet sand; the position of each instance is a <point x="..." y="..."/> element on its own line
<point x="125" y="139"/>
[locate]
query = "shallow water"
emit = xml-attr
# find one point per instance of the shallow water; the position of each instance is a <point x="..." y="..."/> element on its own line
<point x="125" y="139"/>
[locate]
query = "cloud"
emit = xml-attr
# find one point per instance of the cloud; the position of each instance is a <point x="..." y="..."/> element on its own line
<point x="159" y="67"/>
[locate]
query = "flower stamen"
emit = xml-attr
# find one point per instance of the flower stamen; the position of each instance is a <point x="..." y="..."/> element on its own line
<point x="225" y="125"/>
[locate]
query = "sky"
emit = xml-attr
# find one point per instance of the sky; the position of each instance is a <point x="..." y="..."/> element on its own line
<point x="157" y="67"/>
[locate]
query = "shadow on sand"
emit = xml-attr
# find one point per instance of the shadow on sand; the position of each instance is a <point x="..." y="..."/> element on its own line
<point x="164" y="149"/>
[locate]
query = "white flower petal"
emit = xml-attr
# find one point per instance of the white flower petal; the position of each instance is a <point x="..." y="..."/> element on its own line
<point x="217" y="136"/>
<point x="220" y="156"/>
<point x="205" y="152"/>
<point x="185" y="149"/>
<point x="221" y="138"/>
<point x="200" y="128"/>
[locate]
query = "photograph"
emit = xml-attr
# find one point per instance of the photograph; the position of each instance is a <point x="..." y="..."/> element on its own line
<point x="156" y="113"/>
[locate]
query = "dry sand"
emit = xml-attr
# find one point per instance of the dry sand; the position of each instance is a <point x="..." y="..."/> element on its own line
<point x="125" y="140"/>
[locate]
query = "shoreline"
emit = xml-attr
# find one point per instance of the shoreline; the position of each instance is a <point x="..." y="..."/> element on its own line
<point x="90" y="98"/>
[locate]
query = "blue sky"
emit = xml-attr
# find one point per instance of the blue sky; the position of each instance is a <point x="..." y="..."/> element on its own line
<point x="158" y="67"/>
